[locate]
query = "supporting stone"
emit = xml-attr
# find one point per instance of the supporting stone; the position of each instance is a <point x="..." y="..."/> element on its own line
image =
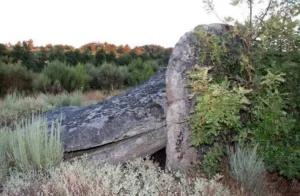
<point x="180" y="154"/>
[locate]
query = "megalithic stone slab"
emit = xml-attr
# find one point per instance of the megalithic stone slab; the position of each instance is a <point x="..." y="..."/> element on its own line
<point x="120" y="128"/>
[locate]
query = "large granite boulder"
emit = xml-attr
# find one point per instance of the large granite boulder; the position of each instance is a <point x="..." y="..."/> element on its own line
<point x="120" y="128"/>
<point x="180" y="154"/>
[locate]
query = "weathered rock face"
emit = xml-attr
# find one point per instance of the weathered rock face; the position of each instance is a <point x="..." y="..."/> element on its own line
<point x="120" y="128"/>
<point x="185" y="55"/>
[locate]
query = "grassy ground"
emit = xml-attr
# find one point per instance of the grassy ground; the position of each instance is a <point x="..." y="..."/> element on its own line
<point x="15" y="107"/>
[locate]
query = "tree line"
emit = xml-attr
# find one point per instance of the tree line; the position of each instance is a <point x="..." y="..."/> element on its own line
<point x="25" y="67"/>
<point x="35" y="58"/>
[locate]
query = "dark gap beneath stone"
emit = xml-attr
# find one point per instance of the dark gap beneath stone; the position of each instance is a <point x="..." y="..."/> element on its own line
<point x="160" y="158"/>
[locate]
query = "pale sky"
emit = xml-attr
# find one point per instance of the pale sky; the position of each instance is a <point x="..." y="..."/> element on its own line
<point x="132" y="22"/>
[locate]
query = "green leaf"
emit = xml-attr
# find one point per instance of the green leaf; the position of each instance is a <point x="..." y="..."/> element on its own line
<point x="235" y="2"/>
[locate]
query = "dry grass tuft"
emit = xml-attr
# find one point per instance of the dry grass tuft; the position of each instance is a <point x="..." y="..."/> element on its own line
<point x="248" y="169"/>
<point x="30" y="145"/>
<point x="94" y="96"/>
<point x="97" y="96"/>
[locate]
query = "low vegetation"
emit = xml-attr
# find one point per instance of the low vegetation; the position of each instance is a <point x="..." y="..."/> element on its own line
<point x="17" y="106"/>
<point x="14" y="77"/>
<point x="30" y="146"/>
<point x="31" y="164"/>
<point x="248" y="169"/>
<point x="62" y="100"/>
<point x="138" y="177"/>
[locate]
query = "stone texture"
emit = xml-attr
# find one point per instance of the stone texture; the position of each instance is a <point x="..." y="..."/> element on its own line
<point x="180" y="154"/>
<point x="120" y="128"/>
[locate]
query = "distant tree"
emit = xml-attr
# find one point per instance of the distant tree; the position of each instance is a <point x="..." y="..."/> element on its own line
<point x="4" y="54"/>
<point x="100" y="57"/>
<point x="144" y="56"/>
<point x="124" y="59"/>
<point x="138" y="50"/>
<point x="17" y="53"/>
<point x="77" y="55"/>
<point x="28" y="59"/>
<point x="88" y="49"/>
<point x="68" y="48"/>
<point x="57" y="53"/>
<point x="72" y="58"/>
<point x="123" y="49"/>
<point x="3" y="50"/>
<point x="110" y="48"/>
<point x="42" y="58"/>
<point x="49" y="47"/>
<point x="111" y="57"/>
<point x="91" y="47"/>
<point x="30" y="44"/>
<point x="133" y="54"/>
<point x="87" y="56"/>
<point x="22" y="52"/>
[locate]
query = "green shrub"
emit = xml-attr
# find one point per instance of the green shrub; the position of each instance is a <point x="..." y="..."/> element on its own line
<point x="81" y="76"/>
<point x="41" y="83"/>
<point x="147" y="72"/>
<point x="269" y="66"/>
<point x="64" y="99"/>
<point x="90" y="69"/>
<point x="111" y="76"/>
<point x="248" y="169"/>
<point x="30" y="146"/>
<point x="124" y="59"/>
<point x="93" y="75"/>
<point x="125" y="75"/>
<point x="14" y="77"/>
<point x="211" y="164"/>
<point x="70" y="78"/>
<point x="153" y="64"/>
<point x="15" y="107"/>
<point x="136" y="177"/>
<point x="275" y="130"/>
<point x="217" y="108"/>
<point x="107" y="76"/>
<point x="141" y="71"/>
<point x="135" y="64"/>
<point x="220" y="111"/>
